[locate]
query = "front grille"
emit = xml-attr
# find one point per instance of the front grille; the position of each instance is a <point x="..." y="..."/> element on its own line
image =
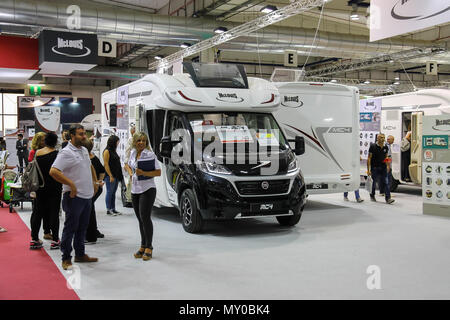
<point x="248" y="188"/>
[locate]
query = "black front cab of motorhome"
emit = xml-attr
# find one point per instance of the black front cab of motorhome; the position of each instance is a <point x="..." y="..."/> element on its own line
<point x="227" y="164"/>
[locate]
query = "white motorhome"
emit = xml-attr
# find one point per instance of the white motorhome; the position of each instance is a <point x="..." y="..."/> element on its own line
<point x="214" y="105"/>
<point x="400" y="110"/>
<point x="327" y="116"/>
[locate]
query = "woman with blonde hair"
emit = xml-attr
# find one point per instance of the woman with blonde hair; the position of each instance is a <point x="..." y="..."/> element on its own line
<point x="143" y="166"/>
<point x="36" y="144"/>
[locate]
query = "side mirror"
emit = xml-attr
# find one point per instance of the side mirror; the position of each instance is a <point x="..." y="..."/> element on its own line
<point x="165" y="147"/>
<point x="299" y="145"/>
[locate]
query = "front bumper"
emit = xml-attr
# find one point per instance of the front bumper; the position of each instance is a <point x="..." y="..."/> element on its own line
<point x="218" y="199"/>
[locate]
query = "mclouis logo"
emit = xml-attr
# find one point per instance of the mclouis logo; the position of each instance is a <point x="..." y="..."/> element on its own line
<point x="408" y="10"/>
<point x="71" y="44"/>
<point x="292" y="102"/>
<point x="229" y="97"/>
<point x="442" y="125"/>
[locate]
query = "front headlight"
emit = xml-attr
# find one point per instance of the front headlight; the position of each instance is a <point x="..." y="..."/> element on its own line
<point x="210" y="167"/>
<point x="292" y="162"/>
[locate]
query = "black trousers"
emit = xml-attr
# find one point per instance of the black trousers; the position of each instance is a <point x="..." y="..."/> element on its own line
<point x="406" y="160"/>
<point x="91" y="232"/>
<point x="46" y="206"/>
<point x="142" y="205"/>
<point x="22" y="159"/>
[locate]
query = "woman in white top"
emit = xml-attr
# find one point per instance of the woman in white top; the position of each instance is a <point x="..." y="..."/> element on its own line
<point x="143" y="190"/>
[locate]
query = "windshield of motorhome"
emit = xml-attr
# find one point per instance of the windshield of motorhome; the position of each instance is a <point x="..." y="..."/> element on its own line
<point x="217" y="76"/>
<point x="232" y="127"/>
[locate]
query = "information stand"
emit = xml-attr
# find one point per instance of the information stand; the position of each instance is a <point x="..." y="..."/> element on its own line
<point x="436" y="165"/>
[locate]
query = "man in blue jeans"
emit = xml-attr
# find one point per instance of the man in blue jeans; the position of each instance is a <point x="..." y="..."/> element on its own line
<point x="378" y="165"/>
<point x="73" y="168"/>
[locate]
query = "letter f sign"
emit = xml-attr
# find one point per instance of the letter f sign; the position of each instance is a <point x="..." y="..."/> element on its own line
<point x="374" y="280"/>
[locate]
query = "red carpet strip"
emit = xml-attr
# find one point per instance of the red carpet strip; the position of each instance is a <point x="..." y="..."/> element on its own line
<point x="27" y="274"/>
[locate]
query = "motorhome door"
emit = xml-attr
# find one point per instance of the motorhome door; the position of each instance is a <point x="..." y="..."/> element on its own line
<point x="174" y="123"/>
<point x="415" y="167"/>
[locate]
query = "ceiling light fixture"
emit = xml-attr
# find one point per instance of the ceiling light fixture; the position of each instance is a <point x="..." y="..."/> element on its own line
<point x="268" y="9"/>
<point x="397" y="78"/>
<point x="366" y="82"/>
<point x="354" y="16"/>
<point x="396" y="83"/>
<point x="220" y="30"/>
<point x="185" y="45"/>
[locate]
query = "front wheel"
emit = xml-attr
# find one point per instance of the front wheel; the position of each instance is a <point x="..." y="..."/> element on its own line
<point x="290" y="221"/>
<point x="190" y="214"/>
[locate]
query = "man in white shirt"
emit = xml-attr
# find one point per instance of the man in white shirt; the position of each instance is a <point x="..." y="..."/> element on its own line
<point x="73" y="168"/>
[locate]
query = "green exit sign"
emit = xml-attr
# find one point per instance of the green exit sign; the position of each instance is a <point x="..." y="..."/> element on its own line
<point x="35" y="90"/>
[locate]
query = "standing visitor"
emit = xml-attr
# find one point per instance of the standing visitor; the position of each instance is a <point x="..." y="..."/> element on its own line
<point x="127" y="157"/>
<point x="2" y="144"/>
<point x="74" y="170"/>
<point x="65" y="138"/>
<point x="114" y="174"/>
<point x="389" y="144"/>
<point x="22" y="151"/>
<point x="377" y="167"/>
<point x="48" y="198"/>
<point x="405" y="148"/>
<point x="92" y="233"/>
<point x="143" y="190"/>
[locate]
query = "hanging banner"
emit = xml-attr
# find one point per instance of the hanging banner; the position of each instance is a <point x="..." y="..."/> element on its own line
<point x="436" y="165"/>
<point x="390" y="18"/>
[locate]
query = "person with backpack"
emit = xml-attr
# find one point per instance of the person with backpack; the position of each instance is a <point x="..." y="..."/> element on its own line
<point x="36" y="144"/>
<point x="48" y="197"/>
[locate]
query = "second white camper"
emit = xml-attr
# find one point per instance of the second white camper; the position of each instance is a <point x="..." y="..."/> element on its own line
<point x="327" y="116"/>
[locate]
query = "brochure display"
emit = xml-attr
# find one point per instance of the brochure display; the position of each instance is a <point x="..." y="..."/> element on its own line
<point x="369" y="125"/>
<point x="436" y="165"/>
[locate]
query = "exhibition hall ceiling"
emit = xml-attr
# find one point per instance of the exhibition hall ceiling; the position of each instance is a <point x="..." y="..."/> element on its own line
<point x="145" y="29"/>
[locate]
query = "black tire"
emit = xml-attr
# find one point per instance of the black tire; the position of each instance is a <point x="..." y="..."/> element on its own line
<point x="290" y="221"/>
<point x="123" y="196"/>
<point x="190" y="215"/>
<point x="394" y="185"/>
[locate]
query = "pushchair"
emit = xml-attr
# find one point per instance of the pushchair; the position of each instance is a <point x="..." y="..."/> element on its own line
<point x="11" y="191"/>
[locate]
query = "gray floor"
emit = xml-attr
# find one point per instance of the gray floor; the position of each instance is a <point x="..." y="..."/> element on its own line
<point x="326" y="256"/>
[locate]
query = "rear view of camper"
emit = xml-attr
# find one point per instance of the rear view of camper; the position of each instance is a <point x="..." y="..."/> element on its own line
<point x="326" y="115"/>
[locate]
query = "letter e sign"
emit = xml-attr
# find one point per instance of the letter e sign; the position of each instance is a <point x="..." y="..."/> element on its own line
<point x="290" y="58"/>
<point x="107" y="48"/>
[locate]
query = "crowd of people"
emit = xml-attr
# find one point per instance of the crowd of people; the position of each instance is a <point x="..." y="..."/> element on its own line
<point x="73" y="178"/>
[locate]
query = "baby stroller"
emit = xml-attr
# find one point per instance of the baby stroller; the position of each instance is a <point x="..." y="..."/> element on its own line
<point x="11" y="191"/>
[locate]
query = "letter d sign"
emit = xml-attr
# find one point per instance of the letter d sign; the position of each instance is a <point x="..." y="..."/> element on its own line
<point x="107" y="48"/>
